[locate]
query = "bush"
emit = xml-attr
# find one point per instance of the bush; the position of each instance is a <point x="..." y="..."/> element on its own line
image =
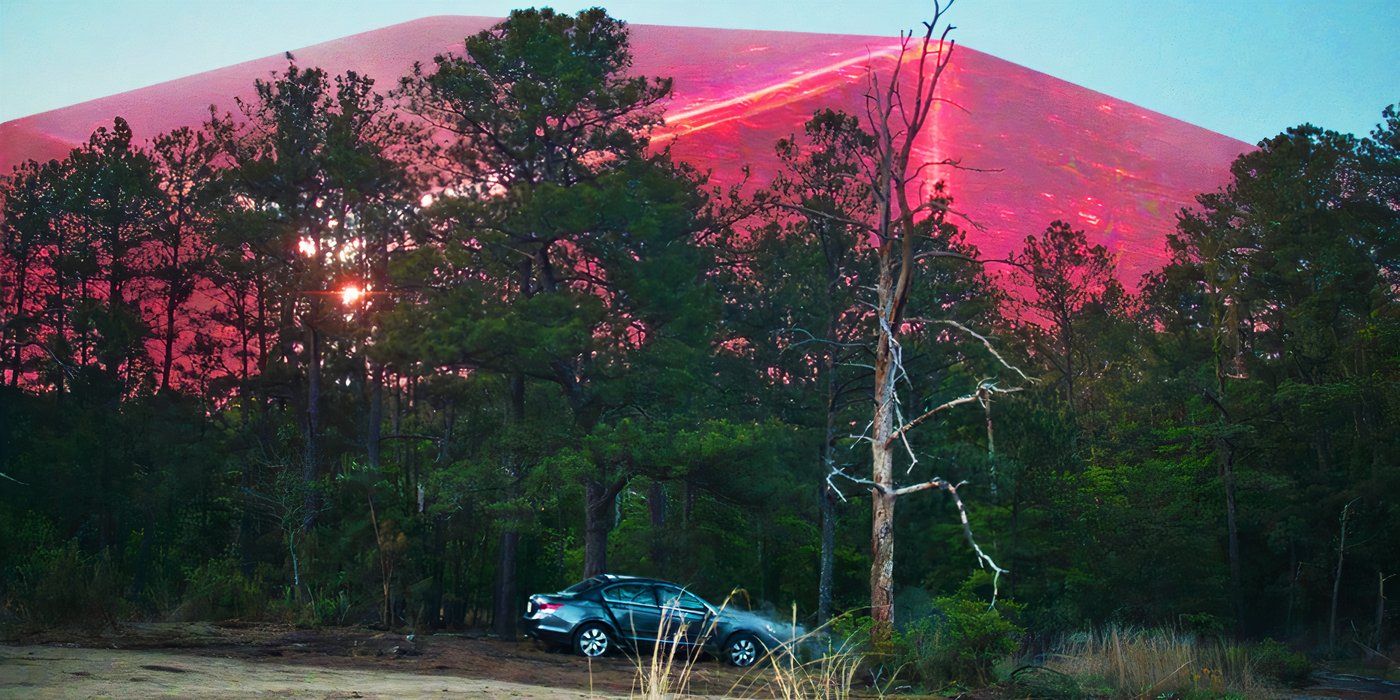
<point x="850" y="630"/>
<point x="1273" y="659"/>
<point x="960" y="642"/>
<point x="63" y="584"/>
<point x="219" y="590"/>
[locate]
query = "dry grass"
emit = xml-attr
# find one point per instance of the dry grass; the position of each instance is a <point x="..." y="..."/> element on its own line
<point x="829" y="673"/>
<point x="668" y="671"/>
<point x="781" y="673"/>
<point x="1148" y="663"/>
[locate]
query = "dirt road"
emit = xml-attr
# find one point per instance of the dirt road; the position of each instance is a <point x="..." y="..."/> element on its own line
<point x="62" y="672"/>
<point x="274" y="660"/>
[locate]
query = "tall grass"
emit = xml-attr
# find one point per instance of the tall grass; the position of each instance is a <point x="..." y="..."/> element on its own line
<point x="1129" y="662"/>
<point x="804" y="667"/>
<point x="783" y="673"/>
<point x="668" y="671"/>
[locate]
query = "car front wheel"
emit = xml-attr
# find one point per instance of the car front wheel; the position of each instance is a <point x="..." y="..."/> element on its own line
<point x="592" y="641"/>
<point x="742" y="650"/>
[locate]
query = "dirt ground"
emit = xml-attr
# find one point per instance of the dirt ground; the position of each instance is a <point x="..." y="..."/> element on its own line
<point x="56" y="672"/>
<point x="232" y="660"/>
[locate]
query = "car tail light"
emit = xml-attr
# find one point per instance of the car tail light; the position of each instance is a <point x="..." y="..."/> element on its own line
<point x="547" y="608"/>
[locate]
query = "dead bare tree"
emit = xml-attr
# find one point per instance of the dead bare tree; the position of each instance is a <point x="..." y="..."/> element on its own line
<point x="904" y="227"/>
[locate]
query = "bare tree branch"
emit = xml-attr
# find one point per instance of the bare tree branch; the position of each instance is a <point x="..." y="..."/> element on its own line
<point x="988" y="344"/>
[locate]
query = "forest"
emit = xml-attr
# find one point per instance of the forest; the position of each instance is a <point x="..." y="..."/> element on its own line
<point x="399" y="351"/>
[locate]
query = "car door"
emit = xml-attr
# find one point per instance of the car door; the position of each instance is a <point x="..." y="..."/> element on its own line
<point x="634" y="610"/>
<point x="684" y="615"/>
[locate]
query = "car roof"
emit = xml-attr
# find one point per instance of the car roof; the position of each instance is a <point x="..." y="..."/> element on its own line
<point x="621" y="578"/>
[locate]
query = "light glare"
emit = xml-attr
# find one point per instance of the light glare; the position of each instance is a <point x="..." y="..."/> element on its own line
<point x="351" y="295"/>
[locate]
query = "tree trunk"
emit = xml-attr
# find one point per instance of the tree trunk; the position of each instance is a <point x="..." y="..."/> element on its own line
<point x="826" y="497"/>
<point x="112" y="357"/>
<point x="61" y="315"/>
<point x="656" y="505"/>
<point x="246" y="536"/>
<point x="828" y="554"/>
<point x="882" y="461"/>
<point x="1337" y="581"/>
<point x="1014" y="564"/>
<point x="1294" y="571"/>
<point x="1379" y="638"/>
<point x="503" y="610"/>
<point x="687" y="504"/>
<point x="882" y="495"/>
<point x="385" y="612"/>
<point x="1067" y="343"/>
<point x="310" y="469"/>
<point x="1232" y="535"/>
<point x="260" y="300"/>
<point x="21" y="284"/>
<point x="438" y="571"/>
<point x="376" y="414"/>
<point x="168" y="356"/>
<point x="1225" y="455"/>
<point x="143" y="560"/>
<point x="597" y="522"/>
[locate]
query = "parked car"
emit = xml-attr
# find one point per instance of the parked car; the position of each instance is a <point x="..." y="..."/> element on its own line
<point x="600" y="614"/>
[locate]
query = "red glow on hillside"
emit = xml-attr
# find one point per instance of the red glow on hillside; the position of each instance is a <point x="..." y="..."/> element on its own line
<point x="1063" y="152"/>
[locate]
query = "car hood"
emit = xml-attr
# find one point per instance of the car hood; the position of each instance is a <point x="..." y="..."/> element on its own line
<point x="777" y="630"/>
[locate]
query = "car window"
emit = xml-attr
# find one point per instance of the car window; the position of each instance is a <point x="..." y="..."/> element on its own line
<point x="583" y="585"/>
<point x="677" y="598"/>
<point x="629" y="593"/>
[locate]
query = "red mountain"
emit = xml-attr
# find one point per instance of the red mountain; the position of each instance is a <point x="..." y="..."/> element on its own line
<point x="1064" y="152"/>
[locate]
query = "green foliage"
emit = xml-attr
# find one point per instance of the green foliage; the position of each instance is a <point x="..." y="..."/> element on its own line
<point x="961" y="641"/>
<point x="1275" y="660"/>
<point x="62" y="584"/>
<point x="218" y="589"/>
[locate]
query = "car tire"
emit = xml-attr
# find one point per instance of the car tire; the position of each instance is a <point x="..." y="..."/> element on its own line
<point x="743" y="650"/>
<point x="593" y="640"/>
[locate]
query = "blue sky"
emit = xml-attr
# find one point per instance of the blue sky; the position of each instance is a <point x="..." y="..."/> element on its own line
<point x="1246" y="68"/>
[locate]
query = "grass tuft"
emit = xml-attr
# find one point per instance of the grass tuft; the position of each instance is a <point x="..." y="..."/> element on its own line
<point x="1131" y="662"/>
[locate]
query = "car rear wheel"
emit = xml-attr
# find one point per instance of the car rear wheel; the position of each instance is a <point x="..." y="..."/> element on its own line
<point x="742" y="650"/>
<point x="592" y="641"/>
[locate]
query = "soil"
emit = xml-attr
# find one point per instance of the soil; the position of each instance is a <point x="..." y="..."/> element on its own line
<point x="265" y="660"/>
<point x="233" y="660"/>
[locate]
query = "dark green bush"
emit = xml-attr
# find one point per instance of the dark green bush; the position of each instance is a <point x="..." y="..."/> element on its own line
<point x="219" y="590"/>
<point x="63" y="584"/>
<point x="850" y="629"/>
<point x="961" y="642"/>
<point x="1274" y="659"/>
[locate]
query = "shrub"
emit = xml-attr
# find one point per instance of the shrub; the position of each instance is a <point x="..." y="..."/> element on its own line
<point x="1273" y="659"/>
<point x="850" y="630"/>
<point x="961" y="641"/>
<point x="219" y="590"/>
<point x="63" y="584"/>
